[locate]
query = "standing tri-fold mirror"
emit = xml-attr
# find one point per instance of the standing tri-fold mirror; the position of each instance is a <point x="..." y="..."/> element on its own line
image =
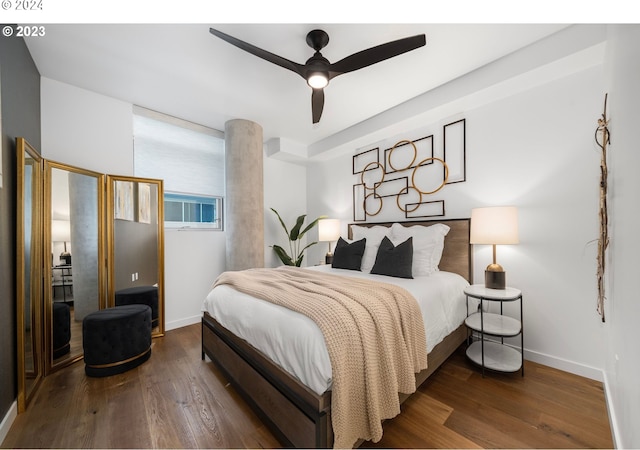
<point x="85" y="241"/>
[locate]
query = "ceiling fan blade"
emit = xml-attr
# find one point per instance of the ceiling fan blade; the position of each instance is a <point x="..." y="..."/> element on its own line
<point x="260" y="53"/>
<point x="317" y="104"/>
<point x="376" y="54"/>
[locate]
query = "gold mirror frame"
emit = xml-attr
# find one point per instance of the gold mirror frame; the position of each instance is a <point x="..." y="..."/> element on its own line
<point x="76" y="350"/>
<point x="28" y="310"/>
<point x="137" y="206"/>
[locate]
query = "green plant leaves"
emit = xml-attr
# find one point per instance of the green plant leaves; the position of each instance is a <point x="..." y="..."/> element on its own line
<point x="311" y="225"/>
<point x="294" y="237"/>
<point x="281" y="221"/>
<point x="295" y="231"/>
<point x="282" y="254"/>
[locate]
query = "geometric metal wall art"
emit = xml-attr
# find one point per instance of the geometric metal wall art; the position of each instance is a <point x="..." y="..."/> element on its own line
<point x="454" y="150"/>
<point x="359" y="211"/>
<point x="362" y="160"/>
<point x="404" y="174"/>
<point x="406" y="153"/>
<point x="407" y="173"/>
<point x="425" y="209"/>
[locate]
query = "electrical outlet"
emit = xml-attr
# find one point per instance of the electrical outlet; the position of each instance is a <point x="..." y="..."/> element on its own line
<point x="133" y="277"/>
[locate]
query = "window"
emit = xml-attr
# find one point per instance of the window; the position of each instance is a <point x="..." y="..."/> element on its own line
<point x="189" y="158"/>
<point x="191" y="211"/>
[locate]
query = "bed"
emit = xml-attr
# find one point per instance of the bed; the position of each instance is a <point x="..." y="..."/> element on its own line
<point x="296" y="407"/>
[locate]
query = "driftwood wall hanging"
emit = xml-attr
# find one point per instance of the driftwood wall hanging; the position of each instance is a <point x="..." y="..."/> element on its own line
<point x="408" y="173"/>
<point x="602" y="132"/>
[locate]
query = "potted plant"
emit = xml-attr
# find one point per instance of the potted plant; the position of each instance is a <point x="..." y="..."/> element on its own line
<point x="295" y="255"/>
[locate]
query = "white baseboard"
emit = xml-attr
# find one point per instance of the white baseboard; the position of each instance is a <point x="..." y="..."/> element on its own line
<point x="613" y="421"/>
<point x="565" y="365"/>
<point x="558" y="363"/>
<point x="183" y="322"/>
<point x="7" y="421"/>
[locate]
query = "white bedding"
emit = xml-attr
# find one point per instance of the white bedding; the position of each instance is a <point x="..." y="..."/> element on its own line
<point x="295" y="342"/>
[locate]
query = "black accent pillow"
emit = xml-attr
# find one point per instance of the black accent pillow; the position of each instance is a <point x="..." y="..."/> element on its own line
<point x="394" y="261"/>
<point x="348" y="256"/>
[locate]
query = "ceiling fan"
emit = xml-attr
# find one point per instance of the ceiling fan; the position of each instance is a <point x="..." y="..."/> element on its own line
<point x="318" y="71"/>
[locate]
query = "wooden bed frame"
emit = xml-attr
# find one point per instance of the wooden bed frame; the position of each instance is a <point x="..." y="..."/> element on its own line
<point x="296" y="415"/>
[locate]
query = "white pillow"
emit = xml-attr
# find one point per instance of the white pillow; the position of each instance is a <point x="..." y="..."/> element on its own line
<point x="374" y="236"/>
<point x="428" y="244"/>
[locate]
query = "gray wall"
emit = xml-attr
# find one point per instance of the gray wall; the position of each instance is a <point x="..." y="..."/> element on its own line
<point x="20" y="93"/>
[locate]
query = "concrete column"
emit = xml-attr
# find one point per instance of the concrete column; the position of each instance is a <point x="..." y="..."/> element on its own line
<point x="244" y="222"/>
<point x="83" y="213"/>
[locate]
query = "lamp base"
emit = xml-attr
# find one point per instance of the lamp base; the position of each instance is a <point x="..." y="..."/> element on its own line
<point x="65" y="257"/>
<point x="494" y="280"/>
<point x="328" y="258"/>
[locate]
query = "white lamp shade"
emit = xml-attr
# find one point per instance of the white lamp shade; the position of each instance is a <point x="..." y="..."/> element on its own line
<point x="60" y="231"/>
<point x="494" y="225"/>
<point x="328" y="230"/>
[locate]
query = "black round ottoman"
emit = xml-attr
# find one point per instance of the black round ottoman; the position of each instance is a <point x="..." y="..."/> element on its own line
<point x="116" y="339"/>
<point x="61" y="329"/>
<point x="145" y="295"/>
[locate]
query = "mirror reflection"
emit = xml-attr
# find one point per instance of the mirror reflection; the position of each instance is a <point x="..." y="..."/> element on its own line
<point x="136" y="221"/>
<point x="73" y="260"/>
<point x="29" y="257"/>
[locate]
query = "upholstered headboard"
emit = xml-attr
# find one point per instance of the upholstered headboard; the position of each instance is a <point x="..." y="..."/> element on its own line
<point x="456" y="256"/>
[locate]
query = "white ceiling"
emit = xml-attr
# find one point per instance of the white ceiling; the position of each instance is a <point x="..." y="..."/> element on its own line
<point x="184" y="71"/>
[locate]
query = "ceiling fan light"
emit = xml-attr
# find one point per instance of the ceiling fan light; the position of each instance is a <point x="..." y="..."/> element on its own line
<point x="318" y="80"/>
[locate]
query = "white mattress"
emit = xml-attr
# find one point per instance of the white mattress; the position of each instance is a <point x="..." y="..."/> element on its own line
<point x="295" y="343"/>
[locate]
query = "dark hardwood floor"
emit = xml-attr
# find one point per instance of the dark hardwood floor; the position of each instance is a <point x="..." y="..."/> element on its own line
<point x="175" y="400"/>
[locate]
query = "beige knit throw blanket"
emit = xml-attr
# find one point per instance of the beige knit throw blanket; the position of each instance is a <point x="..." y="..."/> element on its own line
<point x="374" y="335"/>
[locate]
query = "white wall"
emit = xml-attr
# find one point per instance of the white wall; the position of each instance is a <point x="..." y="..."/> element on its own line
<point x="285" y="190"/>
<point x="192" y="261"/>
<point x="622" y="306"/>
<point x="535" y="150"/>
<point x="85" y="129"/>
<point x="95" y="132"/>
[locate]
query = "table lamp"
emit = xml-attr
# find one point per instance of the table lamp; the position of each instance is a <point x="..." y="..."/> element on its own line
<point x="328" y="231"/>
<point x="61" y="232"/>
<point x="494" y="225"/>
